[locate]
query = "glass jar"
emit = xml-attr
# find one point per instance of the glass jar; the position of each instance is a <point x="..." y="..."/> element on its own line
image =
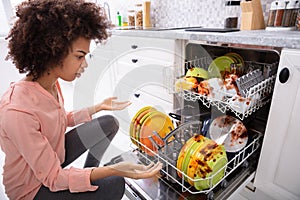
<point x="232" y="11"/>
<point x="279" y="13"/>
<point x="138" y="16"/>
<point x="131" y="18"/>
<point x="288" y="14"/>
<point x="272" y="14"/>
<point x="298" y="21"/>
<point x="294" y="20"/>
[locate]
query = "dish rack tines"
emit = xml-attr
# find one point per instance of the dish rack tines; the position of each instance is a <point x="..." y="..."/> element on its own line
<point x="169" y="152"/>
<point x="256" y="90"/>
<point x="199" y="62"/>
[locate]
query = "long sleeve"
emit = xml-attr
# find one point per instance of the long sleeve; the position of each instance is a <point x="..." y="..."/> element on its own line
<point x="32" y="136"/>
<point x="77" y="117"/>
<point x="38" y="153"/>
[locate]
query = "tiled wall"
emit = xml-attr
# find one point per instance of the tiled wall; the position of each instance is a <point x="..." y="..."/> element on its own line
<point x="178" y="13"/>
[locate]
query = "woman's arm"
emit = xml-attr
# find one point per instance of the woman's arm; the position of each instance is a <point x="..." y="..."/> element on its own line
<point x="108" y="104"/>
<point x="38" y="156"/>
<point x="126" y="169"/>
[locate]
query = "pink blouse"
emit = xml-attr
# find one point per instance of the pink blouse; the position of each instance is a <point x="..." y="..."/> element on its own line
<point x="32" y="128"/>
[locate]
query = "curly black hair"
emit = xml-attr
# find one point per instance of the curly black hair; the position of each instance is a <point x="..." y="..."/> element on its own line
<point x="44" y="31"/>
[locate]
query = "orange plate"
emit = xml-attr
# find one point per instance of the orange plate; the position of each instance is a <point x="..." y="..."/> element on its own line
<point x="138" y="126"/>
<point x="158" y="122"/>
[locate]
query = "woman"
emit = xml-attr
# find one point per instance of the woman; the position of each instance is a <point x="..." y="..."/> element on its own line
<point x="50" y="40"/>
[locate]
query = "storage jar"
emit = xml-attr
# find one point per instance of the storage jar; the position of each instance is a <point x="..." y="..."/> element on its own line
<point x="279" y="13"/>
<point x="131" y="20"/>
<point x="138" y="16"/>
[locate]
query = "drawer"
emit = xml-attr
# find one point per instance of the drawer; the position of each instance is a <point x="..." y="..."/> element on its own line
<point x="123" y="44"/>
<point x="130" y="63"/>
<point x="139" y="99"/>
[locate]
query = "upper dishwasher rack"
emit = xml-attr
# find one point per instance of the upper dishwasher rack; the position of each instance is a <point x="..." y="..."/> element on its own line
<point x="256" y="88"/>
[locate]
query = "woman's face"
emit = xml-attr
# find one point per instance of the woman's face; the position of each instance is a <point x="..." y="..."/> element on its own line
<point x="74" y="63"/>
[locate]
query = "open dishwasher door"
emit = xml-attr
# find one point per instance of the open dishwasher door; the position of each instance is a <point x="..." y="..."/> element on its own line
<point x="278" y="173"/>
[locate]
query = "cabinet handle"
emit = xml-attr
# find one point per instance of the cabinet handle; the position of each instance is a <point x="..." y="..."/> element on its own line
<point x="137" y="95"/>
<point x="134" y="46"/>
<point x="134" y="60"/>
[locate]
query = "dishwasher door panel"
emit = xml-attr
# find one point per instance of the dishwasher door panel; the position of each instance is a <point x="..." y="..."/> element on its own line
<point x="278" y="172"/>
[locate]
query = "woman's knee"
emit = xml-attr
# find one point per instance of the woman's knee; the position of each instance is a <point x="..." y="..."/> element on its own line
<point x="109" y="123"/>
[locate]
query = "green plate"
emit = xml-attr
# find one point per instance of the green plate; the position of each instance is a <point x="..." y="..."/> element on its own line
<point x="194" y="159"/>
<point x="213" y="170"/>
<point x="197" y="72"/>
<point x="190" y="152"/>
<point x="219" y="65"/>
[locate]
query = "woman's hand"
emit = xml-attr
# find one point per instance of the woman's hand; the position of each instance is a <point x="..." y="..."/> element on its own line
<point x="109" y="104"/>
<point x="136" y="171"/>
<point x="127" y="169"/>
<point x="112" y="104"/>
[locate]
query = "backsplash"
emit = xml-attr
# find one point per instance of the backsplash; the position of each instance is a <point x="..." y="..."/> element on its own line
<point x="178" y="13"/>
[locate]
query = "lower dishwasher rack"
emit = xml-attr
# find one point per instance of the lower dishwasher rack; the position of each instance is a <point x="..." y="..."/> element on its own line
<point x="169" y="151"/>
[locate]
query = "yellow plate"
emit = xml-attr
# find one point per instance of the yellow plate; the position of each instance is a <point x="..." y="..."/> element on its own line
<point x="182" y="154"/>
<point x="138" y="124"/>
<point x="156" y="121"/>
<point x="131" y="128"/>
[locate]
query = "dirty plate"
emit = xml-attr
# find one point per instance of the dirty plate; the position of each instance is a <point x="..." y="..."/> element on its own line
<point x="230" y="132"/>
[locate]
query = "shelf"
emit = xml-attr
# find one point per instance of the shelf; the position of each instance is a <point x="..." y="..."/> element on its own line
<point x="169" y="152"/>
<point x="242" y="107"/>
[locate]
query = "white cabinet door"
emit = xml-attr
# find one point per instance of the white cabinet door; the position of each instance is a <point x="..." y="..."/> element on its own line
<point x="97" y="71"/>
<point x="278" y="173"/>
<point x="153" y="75"/>
<point x="112" y="63"/>
<point x="139" y="99"/>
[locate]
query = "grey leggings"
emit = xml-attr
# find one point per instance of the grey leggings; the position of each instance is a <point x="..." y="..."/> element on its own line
<point x="94" y="136"/>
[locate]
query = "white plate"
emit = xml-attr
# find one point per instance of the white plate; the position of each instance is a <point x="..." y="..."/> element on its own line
<point x="230" y="132"/>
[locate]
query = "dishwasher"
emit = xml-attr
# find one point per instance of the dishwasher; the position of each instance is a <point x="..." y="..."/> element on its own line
<point x="258" y="67"/>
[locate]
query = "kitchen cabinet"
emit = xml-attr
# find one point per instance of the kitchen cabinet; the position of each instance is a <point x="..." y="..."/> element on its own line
<point x="134" y="61"/>
<point x="130" y="68"/>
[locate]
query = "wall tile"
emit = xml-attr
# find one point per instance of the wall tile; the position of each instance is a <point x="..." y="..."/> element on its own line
<point x="178" y="13"/>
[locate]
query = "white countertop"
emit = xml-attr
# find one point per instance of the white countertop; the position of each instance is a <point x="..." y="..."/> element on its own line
<point x="287" y="39"/>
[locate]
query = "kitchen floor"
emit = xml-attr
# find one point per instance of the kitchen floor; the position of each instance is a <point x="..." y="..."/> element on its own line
<point x="121" y="143"/>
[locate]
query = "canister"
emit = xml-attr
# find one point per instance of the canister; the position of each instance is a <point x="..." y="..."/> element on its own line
<point x="138" y="16"/>
<point x="288" y="19"/>
<point x="279" y="13"/>
<point x="146" y="14"/>
<point x="232" y="12"/>
<point x="272" y="14"/>
<point x="295" y="19"/>
<point x="131" y="20"/>
<point x="298" y="20"/>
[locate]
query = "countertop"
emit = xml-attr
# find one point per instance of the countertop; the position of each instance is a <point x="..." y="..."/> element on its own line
<point x="281" y="39"/>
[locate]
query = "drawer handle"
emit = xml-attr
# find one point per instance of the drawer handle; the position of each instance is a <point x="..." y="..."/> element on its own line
<point x="137" y="95"/>
<point x="134" y="60"/>
<point x="134" y="46"/>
